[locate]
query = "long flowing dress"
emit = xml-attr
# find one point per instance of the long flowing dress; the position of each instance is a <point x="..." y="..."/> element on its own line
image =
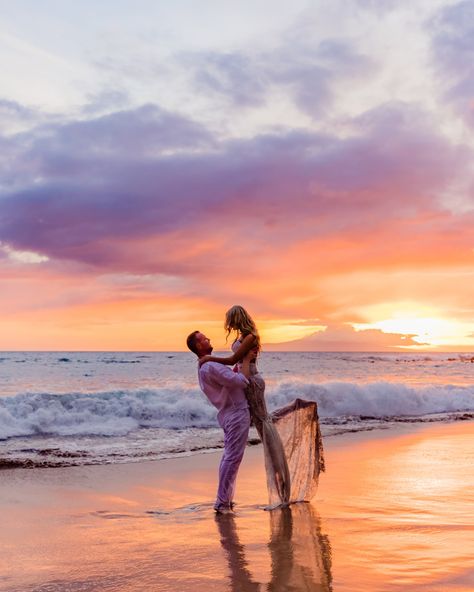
<point x="292" y="443"/>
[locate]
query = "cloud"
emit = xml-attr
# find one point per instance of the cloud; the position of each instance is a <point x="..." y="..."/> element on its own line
<point x="105" y="101"/>
<point x="14" y="116"/>
<point x="111" y="190"/>
<point x="14" y="109"/>
<point x="289" y="185"/>
<point x="306" y="323"/>
<point x="232" y="75"/>
<point x="271" y="220"/>
<point x="135" y="133"/>
<point x="311" y="71"/>
<point x="453" y="54"/>
<point x="87" y="179"/>
<point x="305" y="69"/>
<point x="345" y="338"/>
<point x="379" y="6"/>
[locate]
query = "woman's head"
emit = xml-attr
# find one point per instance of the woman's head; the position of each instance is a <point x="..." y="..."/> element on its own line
<point x="238" y="319"/>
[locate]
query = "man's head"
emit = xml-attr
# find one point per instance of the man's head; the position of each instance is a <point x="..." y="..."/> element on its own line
<point x="199" y="344"/>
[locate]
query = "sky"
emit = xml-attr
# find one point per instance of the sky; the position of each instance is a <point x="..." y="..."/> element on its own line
<point x="311" y="161"/>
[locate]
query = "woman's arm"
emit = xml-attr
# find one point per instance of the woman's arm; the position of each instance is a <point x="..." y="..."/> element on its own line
<point x="247" y="344"/>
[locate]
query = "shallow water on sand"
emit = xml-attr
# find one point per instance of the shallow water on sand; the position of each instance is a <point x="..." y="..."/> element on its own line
<point x="392" y="513"/>
<point x="77" y="408"/>
<point x="402" y="520"/>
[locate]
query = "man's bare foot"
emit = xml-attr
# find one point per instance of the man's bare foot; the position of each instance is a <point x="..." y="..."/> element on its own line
<point x="224" y="508"/>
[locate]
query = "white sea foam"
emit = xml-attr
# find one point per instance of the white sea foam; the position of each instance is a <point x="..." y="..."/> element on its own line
<point x="377" y="399"/>
<point x="106" y="414"/>
<point x="118" y="413"/>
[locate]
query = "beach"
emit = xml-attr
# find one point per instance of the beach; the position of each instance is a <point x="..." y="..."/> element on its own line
<point x="280" y="189"/>
<point x="393" y="512"/>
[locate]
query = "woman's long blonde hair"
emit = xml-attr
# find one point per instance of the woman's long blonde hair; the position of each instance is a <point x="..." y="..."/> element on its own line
<point x="238" y="319"/>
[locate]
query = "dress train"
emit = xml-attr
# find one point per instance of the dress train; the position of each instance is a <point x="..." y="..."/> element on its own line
<point x="292" y="445"/>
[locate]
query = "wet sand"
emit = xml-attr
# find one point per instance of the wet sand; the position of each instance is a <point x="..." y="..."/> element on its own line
<point x="393" y="512"/>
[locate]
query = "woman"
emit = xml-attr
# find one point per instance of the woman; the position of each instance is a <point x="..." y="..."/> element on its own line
<point x="291" y="437"/>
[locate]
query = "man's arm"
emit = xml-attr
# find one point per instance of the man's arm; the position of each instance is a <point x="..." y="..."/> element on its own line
<point x="248" y="343"/>
<point x="224" y="376"/>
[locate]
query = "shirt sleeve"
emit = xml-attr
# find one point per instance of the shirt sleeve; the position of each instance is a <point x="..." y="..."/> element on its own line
<point x="226" y="376"/>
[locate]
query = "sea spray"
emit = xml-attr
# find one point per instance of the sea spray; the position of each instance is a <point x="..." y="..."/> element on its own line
<point x="115" y="413"/>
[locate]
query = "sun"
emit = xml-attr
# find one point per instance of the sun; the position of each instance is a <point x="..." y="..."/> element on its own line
<point x="426" y="331"/>
<point x="432" y="330"/>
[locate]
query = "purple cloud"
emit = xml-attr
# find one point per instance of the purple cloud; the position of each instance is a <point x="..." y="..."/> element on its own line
<point x="138" y="132"/>
<point x="304" y="69"/>
<point x="453" y="52"/>
<point x="379" y="6"/>
<point x="233" y="75"/>
<point x="13" y="109"/>
<point x="312" y="70"/>
<point x="93" y="186"/>
<point x="106" y="100"/>
<point x="13" y="115"/>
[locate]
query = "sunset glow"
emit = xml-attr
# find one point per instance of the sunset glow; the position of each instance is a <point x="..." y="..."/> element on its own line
<point x="430" y="332"/>
<point x="295" y="159"/>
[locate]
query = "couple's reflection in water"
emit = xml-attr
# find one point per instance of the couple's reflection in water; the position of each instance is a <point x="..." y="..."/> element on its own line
<point x="300" y="554"/>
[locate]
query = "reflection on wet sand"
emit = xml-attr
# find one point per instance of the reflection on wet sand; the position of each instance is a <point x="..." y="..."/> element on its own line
<point x="300" y="554"/>
<point x="240" y="577"/>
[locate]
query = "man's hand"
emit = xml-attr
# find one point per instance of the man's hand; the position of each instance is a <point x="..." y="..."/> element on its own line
<point x="251" y="355"/>
<point x="245" y="368"/>
<point x="203" y="360"/>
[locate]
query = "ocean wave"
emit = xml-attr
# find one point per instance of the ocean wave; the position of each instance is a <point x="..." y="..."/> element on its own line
<point x="376" y="399"/>
<point x="111" y="413"/>
<point x="117" y="413"/>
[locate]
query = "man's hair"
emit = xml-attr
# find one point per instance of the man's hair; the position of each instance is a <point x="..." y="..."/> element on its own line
<point x="191" y="342"/>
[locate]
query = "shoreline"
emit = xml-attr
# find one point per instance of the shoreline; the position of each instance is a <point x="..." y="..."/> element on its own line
<point x="329" y="430"/>
<point x="402" y="496"/>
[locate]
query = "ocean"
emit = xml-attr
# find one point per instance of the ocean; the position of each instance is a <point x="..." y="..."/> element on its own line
<point x="76" y="408"/>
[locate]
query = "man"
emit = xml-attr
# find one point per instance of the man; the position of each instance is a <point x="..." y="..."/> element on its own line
<point x="225" y="389"/>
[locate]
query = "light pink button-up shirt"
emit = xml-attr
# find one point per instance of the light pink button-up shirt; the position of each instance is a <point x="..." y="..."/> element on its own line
<point x="223" y="387"/>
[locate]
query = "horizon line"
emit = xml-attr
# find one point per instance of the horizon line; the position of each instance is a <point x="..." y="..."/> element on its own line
<point x="180" y="351"/>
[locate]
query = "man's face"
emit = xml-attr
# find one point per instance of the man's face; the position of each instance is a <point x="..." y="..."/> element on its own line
<point x="203" y="344"/>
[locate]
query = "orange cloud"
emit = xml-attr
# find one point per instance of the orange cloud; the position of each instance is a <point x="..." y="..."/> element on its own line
<point x="346" y="338"/>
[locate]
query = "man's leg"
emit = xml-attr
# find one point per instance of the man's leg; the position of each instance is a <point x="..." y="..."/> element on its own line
<point x="236" y="429"/>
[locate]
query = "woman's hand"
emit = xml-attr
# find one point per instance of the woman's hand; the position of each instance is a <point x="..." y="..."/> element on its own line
<point x="203" y="360"/>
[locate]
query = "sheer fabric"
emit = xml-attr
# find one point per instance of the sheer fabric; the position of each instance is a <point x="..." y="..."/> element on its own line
<point x="292" y="445"/>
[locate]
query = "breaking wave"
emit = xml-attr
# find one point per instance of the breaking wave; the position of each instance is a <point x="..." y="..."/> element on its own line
<point x="117" y="413"/>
